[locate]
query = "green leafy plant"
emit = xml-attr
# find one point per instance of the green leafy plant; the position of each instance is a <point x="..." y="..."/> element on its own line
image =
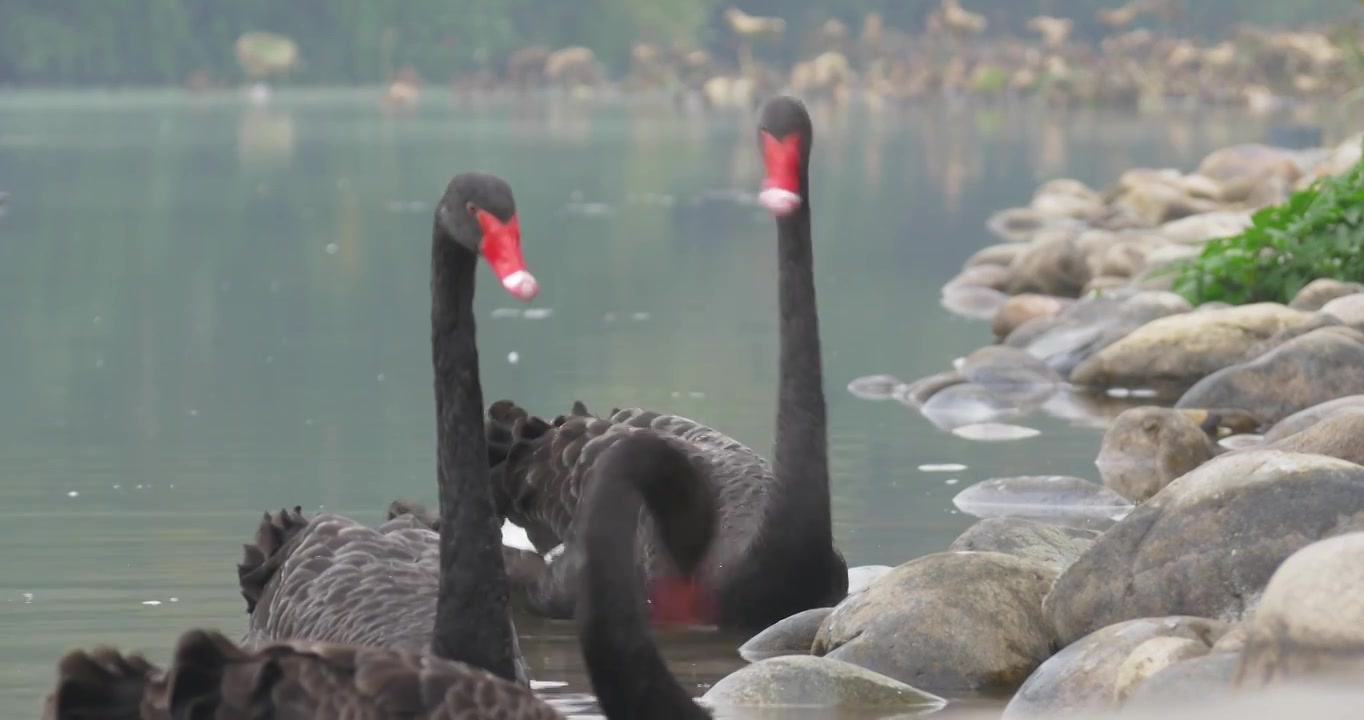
<point x="1318" y="232"/>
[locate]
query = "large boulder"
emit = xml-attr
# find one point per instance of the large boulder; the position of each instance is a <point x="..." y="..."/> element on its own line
<point x="1053" y="545"/>
<point x="1340" y="436"/>
<point x="1303" y="419"/>
<point x="1310" y="620"/>
<point x="1184" y="683"/>
<point x="1147" y="447"/>
<point x="947" y="621"/>
<point x="1314" y="295"/>
<point x="1313" y="368"/>
<point x="1092" y="324"/>
<point x="791" y="636"/>
<point x="1207" y="544"/>
<point x="804" y="681"/>
<point x="1182" y="349"/>
<point x="1052" y="264"/>
<point x="1084" y="677"/>
<point x="1349" y="309"/>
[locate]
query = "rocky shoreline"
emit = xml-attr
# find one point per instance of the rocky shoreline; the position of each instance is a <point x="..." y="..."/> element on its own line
<point x="1223" y="554"/>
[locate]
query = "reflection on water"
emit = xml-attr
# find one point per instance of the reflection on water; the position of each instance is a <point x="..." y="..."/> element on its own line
<point x="213" y="309"/>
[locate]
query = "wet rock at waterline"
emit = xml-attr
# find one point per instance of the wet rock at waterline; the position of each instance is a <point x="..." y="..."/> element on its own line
<point x="994" y="432"/>
<point x="1010" y="373"/>
<point x="1314" y="295"/>
<point x="1310" y="369"/>
<point x="962" y="404"/>
<point x="1084" y="677"/>
<point x="972" y="301"/>
<point x="791" y="636"/>
<point x="1183" y="349"/>
<point x="1203" y="678"/>
<point x="1001" y="255"/>
<point x="802" y="680"/>
<point x="1147" y="447"/>
<point x="861" y="577"/>
<point x="1315" y="321"/>
<point x="1303" y="419"/>
<point x="1349" y="309"/>
<point x="948" y="621"/>
<point x="1207" y="543"/>
<point x="875" y="387"/>
<point x="1151" y="657"/>
<point x="1041" y="497"/>
<point x="1310" y="620"/>
<point x="1020" y="309"/>
<point x="1092" y="324"/>
<point x="1340" y="435"/>
<point x="1056" y="546"/>
<point x="917" y="393"/>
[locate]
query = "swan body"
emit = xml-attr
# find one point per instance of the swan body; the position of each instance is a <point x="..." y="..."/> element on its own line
<point x="774" y="554"/>
<point x="325" y="576"/>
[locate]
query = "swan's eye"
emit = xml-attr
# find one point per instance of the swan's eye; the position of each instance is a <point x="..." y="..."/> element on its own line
<point x="472" y="208"/>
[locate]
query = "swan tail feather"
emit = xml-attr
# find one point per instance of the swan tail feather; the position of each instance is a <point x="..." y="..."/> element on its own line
<point x="263" y="557"/>
<point x="103" y="684"/>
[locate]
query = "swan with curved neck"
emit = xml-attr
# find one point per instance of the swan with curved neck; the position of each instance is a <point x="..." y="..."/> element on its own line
<point x="775" y="554"/>
<point x="212" y="678"/>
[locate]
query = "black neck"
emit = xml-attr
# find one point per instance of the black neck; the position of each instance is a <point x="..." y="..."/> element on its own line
<point x="801" y="456"/>
<point x="472" y="622"/>
<point x="629" y="676"/>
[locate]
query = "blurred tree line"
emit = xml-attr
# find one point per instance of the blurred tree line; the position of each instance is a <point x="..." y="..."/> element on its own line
<point x="145" y="42"/>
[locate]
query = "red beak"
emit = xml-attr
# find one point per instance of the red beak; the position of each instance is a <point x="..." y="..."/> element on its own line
<point x="781" y="185"/>
<point x="502" y="249"/>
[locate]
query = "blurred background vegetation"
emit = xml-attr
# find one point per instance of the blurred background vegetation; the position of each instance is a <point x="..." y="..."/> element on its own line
<point x="156" y="42"/>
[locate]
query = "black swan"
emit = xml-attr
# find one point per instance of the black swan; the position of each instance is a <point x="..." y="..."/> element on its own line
<point x="774" y="555"/>
<point x="338" y="580"/>
<point x="403" y="586"/>
<point x="212" y="679"/>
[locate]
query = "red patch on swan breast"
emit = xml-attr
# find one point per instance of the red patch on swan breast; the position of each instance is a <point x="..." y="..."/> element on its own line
<point x="680" y="601"/>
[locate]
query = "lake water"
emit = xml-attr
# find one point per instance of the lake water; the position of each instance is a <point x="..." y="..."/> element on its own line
<point x="212" y="309"/>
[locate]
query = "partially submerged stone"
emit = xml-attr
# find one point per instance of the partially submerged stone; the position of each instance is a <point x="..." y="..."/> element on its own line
<point x="1053" y="545"/>
<point x="805" y="681"/>
<point x="791" y="636"/>
<point x="1040" y="496"/>
<point x="1148" y="447"/>
<point x="1307" y="370"/>
<point x="1207" y="544"/>
<point x="948" y="621"/>
<point x="1083" y="677"/>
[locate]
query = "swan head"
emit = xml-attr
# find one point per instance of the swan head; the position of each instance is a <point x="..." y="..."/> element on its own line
<point x="785" y="135"/>
<point x="478" y="212"/>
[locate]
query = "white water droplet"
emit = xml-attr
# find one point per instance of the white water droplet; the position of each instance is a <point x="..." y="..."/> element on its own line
<point x="513" y="357"/>
<point x="73" y="493"/>
<point x="941" y="467"/>
<point x="151" y="602"/>
<point x="332" y="248"/>
<point x="193" y="412"/>
<point x="952" y="481"/>
<point x="537" y="313"/>
<point x="380" y="377"/>
<point x="639" y="316"/>
<point x="174" y="599"/>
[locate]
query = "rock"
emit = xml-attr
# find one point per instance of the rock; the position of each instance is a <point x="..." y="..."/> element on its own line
<point x="917" y="393"/>
<point x="1196" y="679"/>
<point x="1249" y="161"/>
<point x="1339" y="436"/>
<point x="1082" y="678"/>
<point x="861" y="577"/>
<point x="1052" y="264"/>
<point x="995" y="277"/>
<point x="1053" y="545"/>
<point x="1182" y="349"/>
<point x="1198" y="229"/>
<point x="1313" y="368"/>
<point x="1105" y="283"/>
<point x="1310" y="619"/>
<point x="997" y="255"/>
<point x="967" y="404"/>
<point x="1314" y="295"/>
<point x="792" y="636"/>
<point x="950" y="621"/>
<point x="972" y="301"/>
<point x="1043" y="497"/>
<point x="1303" y="419"/>
<point x="1207" y="544"/>
<point x="1233" y="640"/>
<point x="1092" y="324"/>
<point x="1021" y="225"/>
<point x="1315" y="322"/>
<point x="1010" y="374"/>
<point x="801" y="680"/>
<point x="1222" y="420"/>
<point x="1151" y="657"/>
<point x="875" y="387"/>
<point x="1349" y="309"/>
<point x="1147" y="447"/>
<point x="1021" y="308"/>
